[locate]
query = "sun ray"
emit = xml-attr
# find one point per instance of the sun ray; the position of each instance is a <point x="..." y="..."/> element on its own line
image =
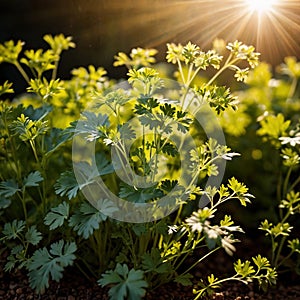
<point x="276" y="32"/>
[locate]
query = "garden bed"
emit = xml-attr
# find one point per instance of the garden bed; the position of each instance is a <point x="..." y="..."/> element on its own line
<point x="76" y="287"/>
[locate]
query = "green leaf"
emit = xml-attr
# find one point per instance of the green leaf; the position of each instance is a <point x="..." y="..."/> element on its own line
<point x="139" y="57"/>
<point x="8" y="188"/>
<point x="261" y="262"/>
<point x="28" y="129"/>
<point x="169" y="149"/>
<point x="86" y="219"/>
<point x="6" y="88"/>
<point x="39" y="60"/>
<point x="64" y="252"/>
<point x="46" y="265"/>
<point x="9" y="51"/>
<point x="139" y="229"/>
<point x="16" y="256"/>
<point x="274" y="126"/>
<point x="126" y="132"/>
<point x="33" y="236"/>
<point x="243" y="269"/>
<point x="139" y="195"/>
<point x="39" y="113"/>
<point x="33" y="179"/>
<point x="58" y="43"/>
<point x="67" y="185"/>
<point x="240" y="191"/>
<point x="128" y="285"/>
<point x="91" y="125"/>
<point x="56" y="217"/>
<point x="184" y="279"/>
<point x="56" y="138"/>
<point x="153" y="262"/>
<point x="12" y="230"/>
<point x="294" y="245"/>
<point x="4" y="203"/>
<point x="104" y="167"/>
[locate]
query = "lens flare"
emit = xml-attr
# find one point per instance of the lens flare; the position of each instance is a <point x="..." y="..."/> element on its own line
<point x="260" y="6"/>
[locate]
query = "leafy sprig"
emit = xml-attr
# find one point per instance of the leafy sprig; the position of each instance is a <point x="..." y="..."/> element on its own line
<point x="127" y="284"/>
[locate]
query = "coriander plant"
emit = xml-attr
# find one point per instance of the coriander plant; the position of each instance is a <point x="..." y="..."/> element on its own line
<point x="121" y="180"/>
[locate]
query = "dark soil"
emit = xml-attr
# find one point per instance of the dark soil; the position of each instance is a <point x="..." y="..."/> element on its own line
<point x="74" y="286"/>
<point x="15" y="286"/>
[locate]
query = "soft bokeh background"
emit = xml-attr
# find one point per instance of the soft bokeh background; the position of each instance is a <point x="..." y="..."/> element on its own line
<point x="102" y="28"/>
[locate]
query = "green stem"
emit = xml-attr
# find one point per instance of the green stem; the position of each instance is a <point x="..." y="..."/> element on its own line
<point x="132" y="250"/>
<point x="121" y="150"/>
<point x="286" y="182"/>
<point x="199" y="260"/>
<point x="21" y="70"/>
<point x="189" y="75"/>
<point x="178" y="214"/>
<point x="13" y="151"/>
<point x="83" y="272"/>
<point x="293" y="88"/>
<point x="279" y="251"/>
<point x="194" y="75"/>
<point x="22" y="199"/>
<point x="284" y="259"/>
<point x="32" y="144"/>
<point x="54" y="72"/>
<point x="294" y="184"/>
<point x="273" y="249"/>
<point x="218" y="282"/>
<point x="227" y="64"/>
<point x="181" y="71"/>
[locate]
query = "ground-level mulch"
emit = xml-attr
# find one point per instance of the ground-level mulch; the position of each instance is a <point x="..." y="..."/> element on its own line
<point x="74" y="287"/>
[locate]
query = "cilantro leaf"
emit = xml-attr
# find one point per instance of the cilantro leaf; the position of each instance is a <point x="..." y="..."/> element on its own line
<point x="153" y="262"/>
<point x="33" y="236"/>
<point x="56" y="217"/>
<point x="45" y="265"/>
<point x="185" y="279"/>
<point x="127" y="284"/>
<point x="55" y="139"/>
<point x="126" y="132"/>
<point x="33" y="179"/>
<point x="86" y="219"/>
<point x="4" y="203"/>
<point x="67" y="185"/>
<point x="8" y="188"/>
<point x="169" y="149"/>
<point x="13" y="229"/>
<point x="16" y="256"/>
<point x="139" y="195"/>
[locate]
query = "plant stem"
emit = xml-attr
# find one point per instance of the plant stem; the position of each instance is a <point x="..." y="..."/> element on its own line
<point x="22" y="198"/>
<point x="227" y="64"/>
<point x="292" y="88"/>
<point x="54" y="72"/>
<point x="294" y="184"/>
<point x="181" y="71"/>
<point x="199" y="260"/>
<point x="279" y="250"/>
<point x="286" y="182"/>
<point x="21" y="70"/>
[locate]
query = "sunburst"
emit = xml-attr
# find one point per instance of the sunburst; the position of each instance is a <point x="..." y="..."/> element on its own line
<point x="273" y="26"/>
<point x="261" y="7"/>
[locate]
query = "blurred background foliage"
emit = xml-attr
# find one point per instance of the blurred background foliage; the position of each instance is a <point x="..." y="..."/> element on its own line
<point x="103" y="28"/>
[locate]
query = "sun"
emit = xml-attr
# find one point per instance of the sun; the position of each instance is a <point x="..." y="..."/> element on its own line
<point x="261" y="6"/>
